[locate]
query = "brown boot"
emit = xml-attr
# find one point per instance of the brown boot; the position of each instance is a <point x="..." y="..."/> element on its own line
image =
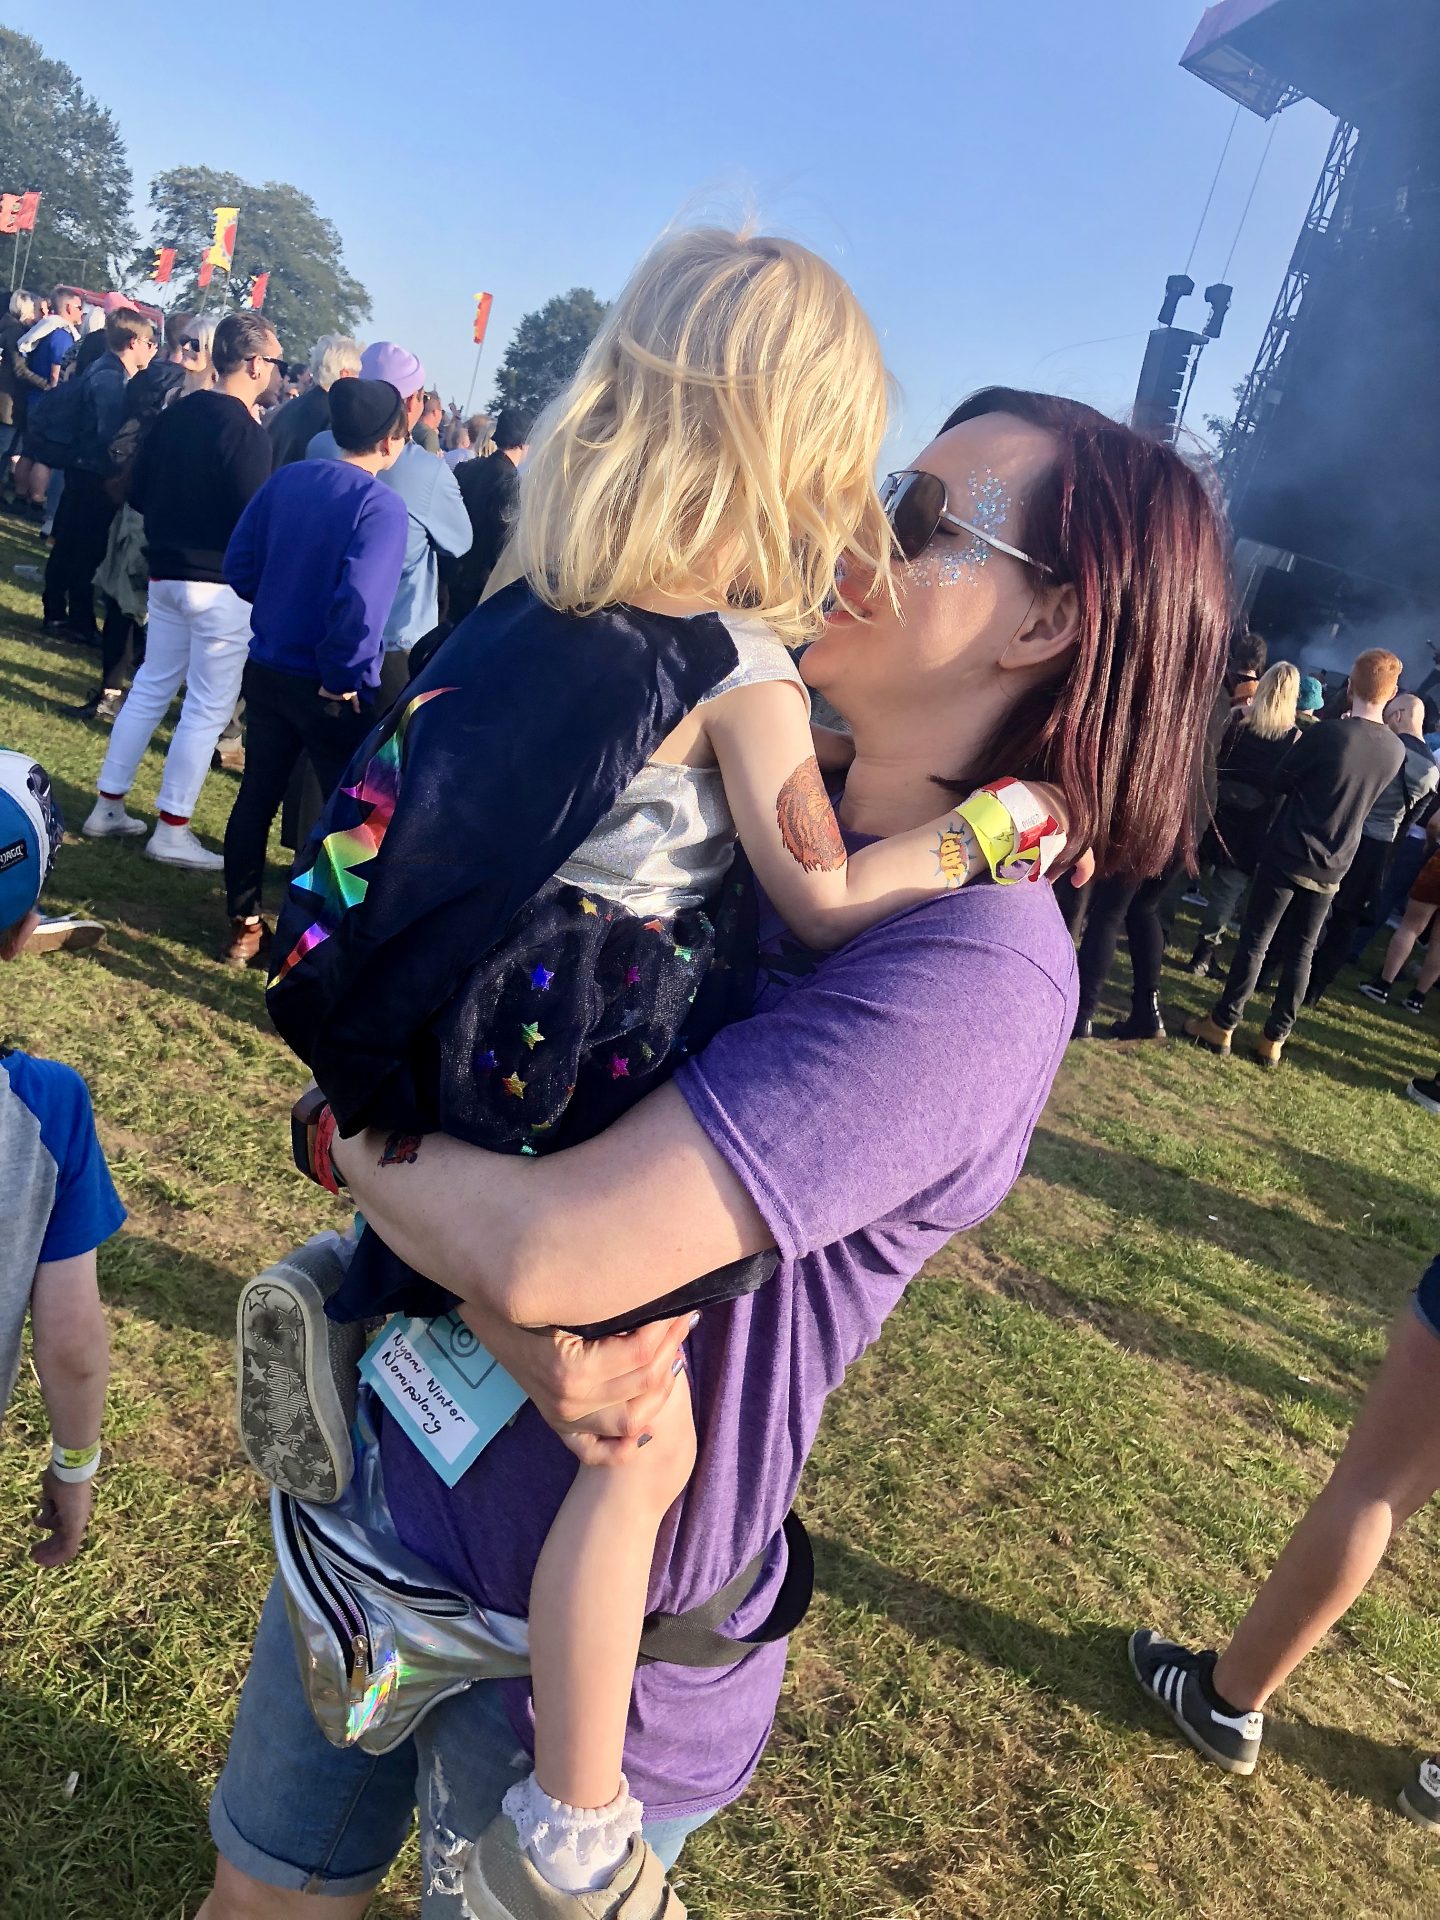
<point x="1204" y="1032"/>
<point x="1268" y="1052"/>
<point x="248" y="945"/>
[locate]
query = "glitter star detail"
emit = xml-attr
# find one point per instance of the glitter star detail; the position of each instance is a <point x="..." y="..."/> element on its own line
<point x="530" y="1033"/>
<point x="486" y="1060"/>
<point x="654" y="926"/>
<point x="513" y="1084"/>
<point x="619" y="1067"/>
<point x="632" y="976"/>
<point x="540" y="979"/>
<point x="685" y="953"/>
<point x="646" y="1052"/>
<point x="588" y="906"/>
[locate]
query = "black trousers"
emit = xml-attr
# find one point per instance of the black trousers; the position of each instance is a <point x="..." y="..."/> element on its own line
<point x="122" y="648"/>
<point x="1118" y="901"/>
<point x="1274" y="897"/>
<point x="283" y="720"/>
<point x="1354" y="908"/>
<point x="82" y="531"/>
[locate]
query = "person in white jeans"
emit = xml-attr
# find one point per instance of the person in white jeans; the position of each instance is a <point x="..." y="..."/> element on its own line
<point x="200" y="461"/>
<point x="199" y="636"/>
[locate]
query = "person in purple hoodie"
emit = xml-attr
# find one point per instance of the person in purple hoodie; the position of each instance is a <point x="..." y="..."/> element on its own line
<point x="318" y="553"/>
<point x="880" y="1099"/>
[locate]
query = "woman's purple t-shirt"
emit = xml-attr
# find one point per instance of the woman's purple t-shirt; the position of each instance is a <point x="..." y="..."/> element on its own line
<point x="880" y="1100"/>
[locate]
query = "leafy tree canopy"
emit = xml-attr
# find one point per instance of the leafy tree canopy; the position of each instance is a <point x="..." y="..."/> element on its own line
<point x="55" y="137"/>
<point x="280" y="232"/>
<point x="546" y="348"/>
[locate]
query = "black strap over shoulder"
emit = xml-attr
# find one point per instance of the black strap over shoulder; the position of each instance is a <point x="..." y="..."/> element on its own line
<point x="694" y="1639"/>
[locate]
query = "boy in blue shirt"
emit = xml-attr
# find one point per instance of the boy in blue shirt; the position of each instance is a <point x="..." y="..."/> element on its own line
<point x="57" y="1201"/>
<point x="318" y="553"/>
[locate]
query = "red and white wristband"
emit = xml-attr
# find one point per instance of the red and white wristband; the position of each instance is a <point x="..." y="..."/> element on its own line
<point x="1019" y="837"/>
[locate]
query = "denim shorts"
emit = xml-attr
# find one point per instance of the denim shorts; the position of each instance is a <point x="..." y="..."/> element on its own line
<point x="294" y="1812"/>
<point x="1427" y="1297"/>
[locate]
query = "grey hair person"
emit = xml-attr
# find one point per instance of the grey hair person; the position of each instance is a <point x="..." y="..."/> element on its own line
<point x="333" y="356"/>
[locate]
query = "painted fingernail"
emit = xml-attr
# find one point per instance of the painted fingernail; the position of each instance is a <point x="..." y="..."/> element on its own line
<point x="694" y="1319"/>
<point x="644" y="1439"/>
<point x="679" y="1363"/>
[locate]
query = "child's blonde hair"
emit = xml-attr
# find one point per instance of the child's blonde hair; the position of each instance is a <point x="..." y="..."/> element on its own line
<point x="726" y="418"/>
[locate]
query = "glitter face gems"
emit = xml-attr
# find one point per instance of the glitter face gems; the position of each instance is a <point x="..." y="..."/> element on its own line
<point x="953" y="560"/>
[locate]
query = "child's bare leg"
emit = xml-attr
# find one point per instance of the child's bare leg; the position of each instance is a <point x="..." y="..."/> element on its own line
<point x="587" y="1607"/>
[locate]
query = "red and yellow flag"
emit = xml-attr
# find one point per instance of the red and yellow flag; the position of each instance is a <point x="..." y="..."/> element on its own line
<point x="482" y="317"/>
<point x="164" y="265"/>
<point x="9" y="213"/>
<point x="222" y="247"/>
<point x="258" y="288"/>
<point x="29" y="207"/>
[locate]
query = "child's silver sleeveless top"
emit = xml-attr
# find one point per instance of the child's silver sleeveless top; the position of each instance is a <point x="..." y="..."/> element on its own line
<point x="667" y="841"/>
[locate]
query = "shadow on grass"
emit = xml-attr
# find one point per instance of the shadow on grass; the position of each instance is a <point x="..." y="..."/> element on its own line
<point x="1305" y="1249"/>
<point x="1087" y="1665"/>
<point x="235" y="992"/>
<point x="130" y="1844"/>
<point x="170" y="1285"/>
<point x="1347" y="1762"/>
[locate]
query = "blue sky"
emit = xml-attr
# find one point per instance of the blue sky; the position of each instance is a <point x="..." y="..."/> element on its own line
<point x="1006" y="186"/>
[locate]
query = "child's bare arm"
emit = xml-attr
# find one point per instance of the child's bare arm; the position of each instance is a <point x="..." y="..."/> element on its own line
<point x="762" y="741"/>
<point x="72" y="1358"/>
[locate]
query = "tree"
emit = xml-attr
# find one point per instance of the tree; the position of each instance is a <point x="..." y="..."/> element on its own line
<point x="280" y="232"/>
<point x="546" y="348"/>
<point x="56" y="137"/>
<point x="1220" y="426"/>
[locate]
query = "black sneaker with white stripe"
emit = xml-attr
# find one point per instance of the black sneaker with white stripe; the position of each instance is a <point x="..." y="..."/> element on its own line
<point x="1420" y="1799"/>
<point x="1181" y="1681"/>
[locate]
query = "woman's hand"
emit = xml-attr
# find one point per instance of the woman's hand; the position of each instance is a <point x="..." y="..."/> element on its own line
<point x="600" y="1396"/>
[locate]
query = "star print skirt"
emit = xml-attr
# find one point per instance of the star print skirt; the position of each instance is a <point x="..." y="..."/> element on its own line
<point x="578" y="1013"/>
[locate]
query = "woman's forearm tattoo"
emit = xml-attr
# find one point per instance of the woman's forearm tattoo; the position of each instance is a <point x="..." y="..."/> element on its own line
<point x="809" y="831"/>
<point x="400" y="1150"/>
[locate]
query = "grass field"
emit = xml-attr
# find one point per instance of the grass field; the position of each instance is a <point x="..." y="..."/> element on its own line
<point x="1107" y="1407"/>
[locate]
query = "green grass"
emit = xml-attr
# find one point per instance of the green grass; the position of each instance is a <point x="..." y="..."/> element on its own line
<point x="1108" y="1406"/>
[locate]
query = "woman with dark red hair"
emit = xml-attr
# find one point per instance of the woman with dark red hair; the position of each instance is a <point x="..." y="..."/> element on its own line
<point x="1062" y="617"/>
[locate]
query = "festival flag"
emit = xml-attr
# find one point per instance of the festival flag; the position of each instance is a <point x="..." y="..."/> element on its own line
<point x="9" y="212"/>
<point x="207" y="268"/>
<point x="29" y="207"/>
<point x="258" y="288"/>
<point x="482" y="317"/>
<point x="164" y="265"/>
<point x="222" y="247"/>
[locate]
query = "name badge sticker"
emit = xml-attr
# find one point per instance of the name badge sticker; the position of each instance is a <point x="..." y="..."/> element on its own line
<point x="450" y="1396"/>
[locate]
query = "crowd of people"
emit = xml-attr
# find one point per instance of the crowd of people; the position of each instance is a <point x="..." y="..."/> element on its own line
<point x="1321" y="823"/>
<point x="592" y="930"/>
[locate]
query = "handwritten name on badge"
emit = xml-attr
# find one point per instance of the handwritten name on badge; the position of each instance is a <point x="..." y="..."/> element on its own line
<point x="423" y="1401"/>
<point x="450" y="1396"/>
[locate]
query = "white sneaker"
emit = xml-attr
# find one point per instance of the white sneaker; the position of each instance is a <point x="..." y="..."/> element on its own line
<point x="108" y="820"/>
<point x="178" y="847"/>
<point x="68" y="934"/>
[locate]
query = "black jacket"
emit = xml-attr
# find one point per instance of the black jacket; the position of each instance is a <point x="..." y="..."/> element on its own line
<point x="490" y="489"/>
<point x="1247" y="766"/>
<point x="292" y="427"/>
<point x="197" y="468"/>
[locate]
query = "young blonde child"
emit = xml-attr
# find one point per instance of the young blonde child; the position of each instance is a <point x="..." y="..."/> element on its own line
<point x="608" y="723"/>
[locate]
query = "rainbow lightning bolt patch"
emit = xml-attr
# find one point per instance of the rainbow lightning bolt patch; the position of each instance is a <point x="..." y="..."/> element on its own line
<point x="333" y="877"/>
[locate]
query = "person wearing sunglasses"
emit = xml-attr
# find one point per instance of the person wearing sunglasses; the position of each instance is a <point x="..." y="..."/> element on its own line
<point x="1061" y="616"/>
<point x="195" y="472"/>
<point x="195" y="347"/>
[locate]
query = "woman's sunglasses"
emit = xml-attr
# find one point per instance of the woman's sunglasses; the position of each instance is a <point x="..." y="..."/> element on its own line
<point x="918" y="507"/>
<point x="187" y="345"/>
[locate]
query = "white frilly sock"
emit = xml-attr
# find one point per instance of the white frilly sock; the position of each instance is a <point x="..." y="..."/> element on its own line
<point x="574" y="1849"/>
